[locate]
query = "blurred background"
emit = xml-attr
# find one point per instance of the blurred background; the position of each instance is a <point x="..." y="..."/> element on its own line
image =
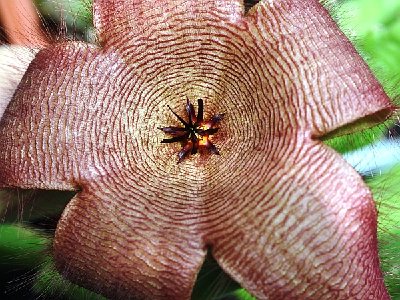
<point x="28" y="218"/>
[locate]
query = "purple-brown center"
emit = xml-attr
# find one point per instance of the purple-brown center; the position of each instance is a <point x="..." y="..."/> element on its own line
<point x="195" y="135"/>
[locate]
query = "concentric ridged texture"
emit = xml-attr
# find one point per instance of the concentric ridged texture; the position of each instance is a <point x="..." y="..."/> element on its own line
<point x="284" y="215"/>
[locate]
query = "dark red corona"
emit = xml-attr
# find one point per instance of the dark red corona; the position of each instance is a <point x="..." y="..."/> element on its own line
<point x="195" y="133"/>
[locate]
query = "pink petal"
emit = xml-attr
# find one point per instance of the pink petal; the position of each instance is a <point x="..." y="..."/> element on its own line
<point x="47" y="132"/>
<point x="303" y="228"/>
<point x="309" y="74"/>
<point x="120" y="21"/>
<point x="121" y="246"/>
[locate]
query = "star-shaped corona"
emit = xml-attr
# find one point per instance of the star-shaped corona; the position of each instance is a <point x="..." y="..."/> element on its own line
<point x="283" y="214"/>
<point x="195" y="135"/>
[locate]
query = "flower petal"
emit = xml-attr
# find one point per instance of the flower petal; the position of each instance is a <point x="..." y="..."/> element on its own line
<point x="47" y="133"/>
<point x="308" y="68"/>
<point x="301" y="225"/>
<point x="119" y="21"/>
<point x="126" y="249"/>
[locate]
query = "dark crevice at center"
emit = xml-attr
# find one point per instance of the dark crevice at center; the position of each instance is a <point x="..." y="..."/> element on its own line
<point x="249" y="4"/>
<point x="213" y="283"/>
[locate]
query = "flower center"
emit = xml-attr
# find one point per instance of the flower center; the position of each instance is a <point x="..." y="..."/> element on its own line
<point x="195" y="134"/>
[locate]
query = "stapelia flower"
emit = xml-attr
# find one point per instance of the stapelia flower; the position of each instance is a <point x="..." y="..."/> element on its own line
<point x="282" y="213"/>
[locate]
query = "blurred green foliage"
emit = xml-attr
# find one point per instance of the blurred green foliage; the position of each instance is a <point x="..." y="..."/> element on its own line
<point x="376" y="28"/>
<point x="373" y="26"/>
<point x="21" y="246"/>
<point x="49" y="282"/>
<point x="77" y="14"/>
<point x="70" y="19"/>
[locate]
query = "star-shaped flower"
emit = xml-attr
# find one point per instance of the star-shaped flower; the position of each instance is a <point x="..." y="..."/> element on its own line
<point x="282" y="213"/>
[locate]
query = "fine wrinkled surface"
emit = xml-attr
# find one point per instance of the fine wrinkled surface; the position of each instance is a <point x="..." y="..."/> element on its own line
<point x="284" y="215"/>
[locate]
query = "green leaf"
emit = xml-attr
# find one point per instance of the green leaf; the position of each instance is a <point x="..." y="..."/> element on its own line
<point x="20" y="246"/>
